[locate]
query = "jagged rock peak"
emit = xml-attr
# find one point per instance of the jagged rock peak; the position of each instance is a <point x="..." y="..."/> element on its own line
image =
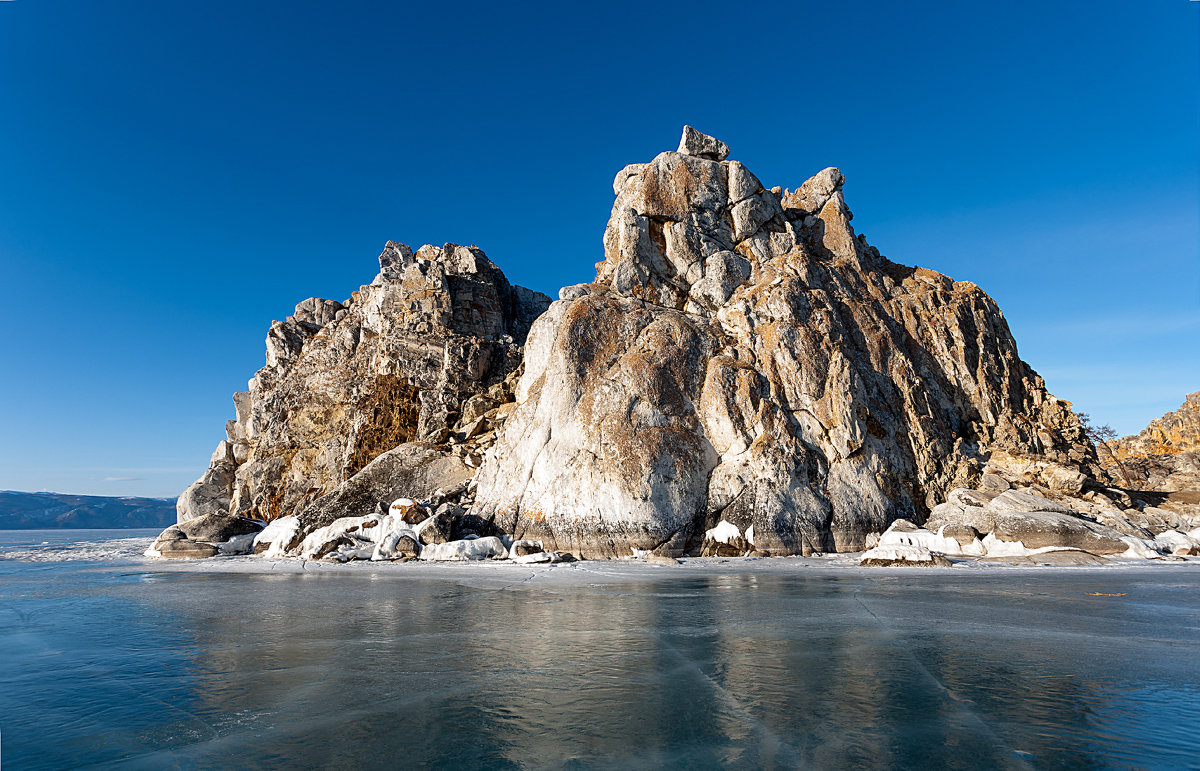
<point x="396" y="258"/>
<point x="743" y="356"/>
<point x="702" y="145"/>
<point x="346" y="382"/>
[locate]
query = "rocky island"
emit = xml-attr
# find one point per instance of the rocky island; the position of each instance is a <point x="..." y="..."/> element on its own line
<point x="744" y="376"/>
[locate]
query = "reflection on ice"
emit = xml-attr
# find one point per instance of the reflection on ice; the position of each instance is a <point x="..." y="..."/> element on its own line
<point x="470" y="667"/>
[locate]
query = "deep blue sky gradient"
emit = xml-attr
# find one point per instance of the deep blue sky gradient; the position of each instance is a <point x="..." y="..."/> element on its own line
<point x="175" y="176"/>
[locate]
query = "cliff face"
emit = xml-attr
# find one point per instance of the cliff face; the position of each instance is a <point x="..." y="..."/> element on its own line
<point x="743" y="355"/>
<point x="1174" y="433"/>
<point x="345" y="382"/>
<point x="1165" y="456"/>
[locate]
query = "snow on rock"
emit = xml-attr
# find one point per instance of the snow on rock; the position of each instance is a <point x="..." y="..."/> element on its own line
<point x="474" y="549"/>
<point x="724" y="532"/>
<point x="239" y="544"/>
<point x="272" y="541"/>
<point x="1179" y="544"/>
<point x="372" y="537"/>
<point x="902" y="555"/>
<point x="1140" y="548"/>
<point x="903" y="534"/>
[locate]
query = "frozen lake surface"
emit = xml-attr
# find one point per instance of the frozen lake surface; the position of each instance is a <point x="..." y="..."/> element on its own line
<point x="107" y="659"/>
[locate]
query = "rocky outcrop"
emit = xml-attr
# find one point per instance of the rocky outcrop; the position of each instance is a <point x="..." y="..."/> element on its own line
<point x="746" y="375"/>
<point x="1163" y="458"/>
<point x="1173" y="434"/>
<point x="743" y="356"/>
<point x="435" y="337"/>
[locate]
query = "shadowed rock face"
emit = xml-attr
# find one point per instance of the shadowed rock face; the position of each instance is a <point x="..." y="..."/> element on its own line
<point x="346" y="382"/>
<point x="743" y="355"/>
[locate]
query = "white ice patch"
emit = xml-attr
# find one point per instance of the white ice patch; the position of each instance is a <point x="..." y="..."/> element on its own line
<point x="239" y="544"/>
<point x="724" y="532"/>
<point x="1175" y="542"/>
<point x="930" y="541"/>
<point x="277" y="535"/>
<point x="750" y="534"/>
<point x="900" y="552"/>
<point x="476" y="549"/>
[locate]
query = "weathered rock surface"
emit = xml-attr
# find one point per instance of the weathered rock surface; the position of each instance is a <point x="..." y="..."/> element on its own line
<point x="214" y="528"/>
<point x="346" y="382"/>
<point x="743" y="355"/>
<point x="411" y="470"/>
<point x="475" y="549"/>
<point x="185" y="549"/>
<point x="1038" y="529"/>
<point x="1174" y="433"/>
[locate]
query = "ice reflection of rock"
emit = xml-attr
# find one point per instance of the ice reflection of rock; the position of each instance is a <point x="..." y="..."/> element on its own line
<point x="744" y="670"/>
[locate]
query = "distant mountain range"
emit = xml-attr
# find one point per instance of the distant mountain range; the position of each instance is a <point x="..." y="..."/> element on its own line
<point x="31" y="511"/>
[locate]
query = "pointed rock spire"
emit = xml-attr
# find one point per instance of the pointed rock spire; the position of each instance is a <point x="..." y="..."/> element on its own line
<point x="702" y="145"/>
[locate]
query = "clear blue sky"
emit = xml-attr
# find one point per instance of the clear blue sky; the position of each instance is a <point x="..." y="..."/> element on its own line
<point x="174" y="176"/>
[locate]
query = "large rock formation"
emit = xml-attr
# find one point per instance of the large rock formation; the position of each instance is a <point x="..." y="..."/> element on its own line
<point x="745" y="375"/>
<point x="744" y="356"/>
<point x="437" y="333"/>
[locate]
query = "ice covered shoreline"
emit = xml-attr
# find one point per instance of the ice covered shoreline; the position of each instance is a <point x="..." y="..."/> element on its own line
<point x="505" y="574"/>
<point x="127" y="552"/>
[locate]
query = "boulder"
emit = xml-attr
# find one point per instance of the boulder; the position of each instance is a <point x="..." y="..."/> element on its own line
<point x="1039" y="529"/>
<point x="185" y="549"/>
<point x="407" y="546"/>
<point x="1056" y="558"/>
<point x="994" y="482"/>
<point x="438" y="528"/>
<point x="1024" y="500"/>
<point x="171" y="534"/>
<point x="215" y="528"/>
<point x="963" y="534"/>
<point x="965" y="498"/>
<point x="410" y="471"/>
<point x="525" y="548"/>
<point x="903" y="556"/>
<point x="212" y="493"/>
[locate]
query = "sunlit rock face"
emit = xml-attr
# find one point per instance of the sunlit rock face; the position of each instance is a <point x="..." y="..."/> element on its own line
<point x="743" y="355"/>
<point x="346" y="382"/>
